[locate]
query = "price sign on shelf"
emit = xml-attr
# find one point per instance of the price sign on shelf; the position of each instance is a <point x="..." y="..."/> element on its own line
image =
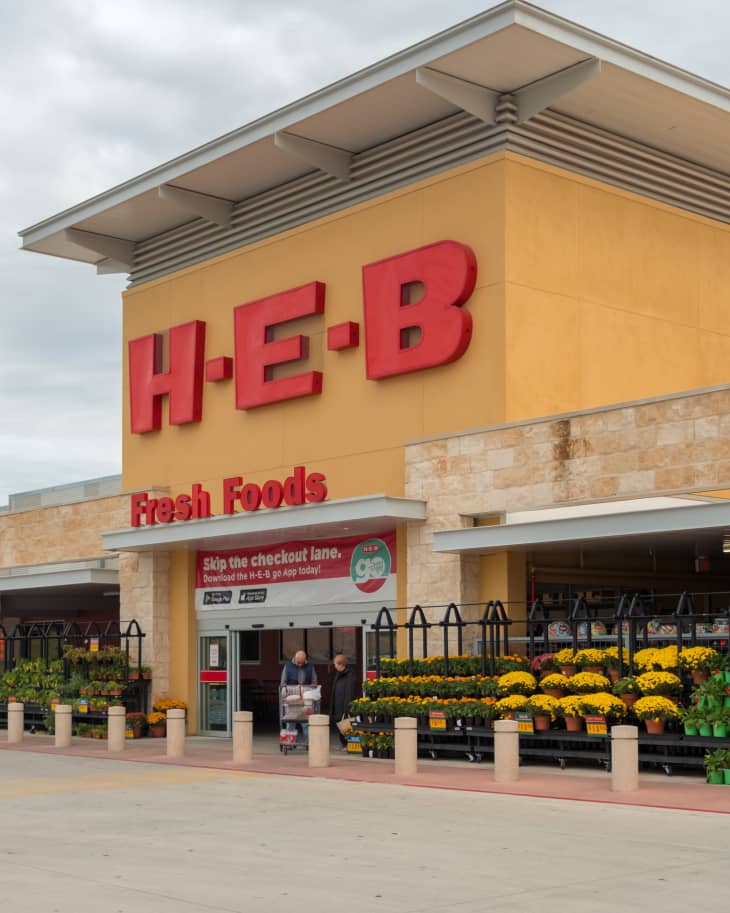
<point x="437" y="719"/>
<point x="596" y="725"/>
<point x="354" y="745"/>
<point x="524" y="723"/>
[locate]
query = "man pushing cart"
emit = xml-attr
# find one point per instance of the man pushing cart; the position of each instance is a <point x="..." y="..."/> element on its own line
<point x="299" y="699"/>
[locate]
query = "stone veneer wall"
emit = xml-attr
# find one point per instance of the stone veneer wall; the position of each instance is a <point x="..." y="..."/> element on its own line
<point x="144" y="589"/>
<point x="66" y="532"/>
<point x="666" y="446"/>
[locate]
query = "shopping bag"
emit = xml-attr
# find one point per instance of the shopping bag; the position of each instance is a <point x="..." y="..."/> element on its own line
<point x="345" y="724"/>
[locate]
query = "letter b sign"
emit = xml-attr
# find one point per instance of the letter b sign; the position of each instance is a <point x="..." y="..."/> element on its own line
<point x="448" y="272"/>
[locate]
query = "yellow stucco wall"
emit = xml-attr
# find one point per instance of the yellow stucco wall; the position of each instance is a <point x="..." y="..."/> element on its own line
<point x="610" y="296"/>
<point x="355" y="430"/>
<point x="586" y="295"/>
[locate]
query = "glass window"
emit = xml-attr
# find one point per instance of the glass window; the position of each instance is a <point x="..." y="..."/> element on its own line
<point x="319" y="645"/>
<point x="292" y="639"/>
<point x="213" y="653"/>
<point x="344" y="640"/>
<point x="250" y="646"/>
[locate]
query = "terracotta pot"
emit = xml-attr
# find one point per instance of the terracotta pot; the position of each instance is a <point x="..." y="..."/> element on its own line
<point x="574" y="723"/>
<point x="554" y="692"/>
<point x="157" y="732"/>
<point x="541" y="722"/>
<point x="655" y="727"/>
<point x="629" y="699"/>
<point x="567" y="670"/>
<point x="596" y="670"/>
<point x="699" y="676"/>
<point x="613" y="675"/>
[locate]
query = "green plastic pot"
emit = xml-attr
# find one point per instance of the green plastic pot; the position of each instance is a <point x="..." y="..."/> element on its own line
<point x="726" y="676"/>
<point x="727" y="700"/>
<point x="690" y="730"/>
<point x="705" y="729"/>
<point x="726" y="776"/>
<point x="715" y="777"/>
<point x="719" y="730"/>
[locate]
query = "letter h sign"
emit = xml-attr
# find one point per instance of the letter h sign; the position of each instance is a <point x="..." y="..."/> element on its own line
<point x="182" y="382"/>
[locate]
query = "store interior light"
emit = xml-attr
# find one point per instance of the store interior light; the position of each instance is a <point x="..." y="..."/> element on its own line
<point x="726" y="541"/>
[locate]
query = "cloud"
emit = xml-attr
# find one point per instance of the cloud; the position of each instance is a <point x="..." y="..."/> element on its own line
<point x="93" y="92"/>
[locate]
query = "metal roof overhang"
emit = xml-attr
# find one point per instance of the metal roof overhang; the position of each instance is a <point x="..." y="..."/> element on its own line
<point x="349" y="516"/>
<point x="508" y="47"/>
<point x="701" y="525"/>
<point x="36" y="579"/>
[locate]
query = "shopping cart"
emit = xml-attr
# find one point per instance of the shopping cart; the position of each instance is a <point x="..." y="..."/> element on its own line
<point x="296" y="704"/>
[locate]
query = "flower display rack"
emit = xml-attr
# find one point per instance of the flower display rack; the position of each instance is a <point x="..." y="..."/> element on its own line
<point x="476" y="743"/>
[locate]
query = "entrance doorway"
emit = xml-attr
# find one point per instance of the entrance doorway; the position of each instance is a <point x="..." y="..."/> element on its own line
<point x="262" y="653"/>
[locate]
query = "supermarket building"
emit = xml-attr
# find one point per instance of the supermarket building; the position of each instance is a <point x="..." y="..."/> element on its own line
<point x="451" y="329"/>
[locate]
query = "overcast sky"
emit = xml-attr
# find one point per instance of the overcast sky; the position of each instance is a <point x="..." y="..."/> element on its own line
<point x="93" y="93"/>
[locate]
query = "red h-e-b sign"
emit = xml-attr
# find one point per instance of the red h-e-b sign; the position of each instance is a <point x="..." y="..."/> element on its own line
<point x="437" y="322"/>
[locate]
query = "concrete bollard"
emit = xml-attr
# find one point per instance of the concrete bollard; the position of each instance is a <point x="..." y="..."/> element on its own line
<point x="319" y="740"/>
<point x="63" y="725"/>
<point x="16" y="722"/>
<point x="624" y="759"/>
<point x="116" y="728"/>
<point x="175" y="733"/>
<point x="242" y="737"/>
<point x="406" y="746"/>
<point x="506" y="751"/>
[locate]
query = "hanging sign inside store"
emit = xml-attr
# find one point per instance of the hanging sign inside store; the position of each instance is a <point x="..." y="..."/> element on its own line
<point x="299" y="488"/>
<point x="401" y="335"/>
<point x="301" y="573"/>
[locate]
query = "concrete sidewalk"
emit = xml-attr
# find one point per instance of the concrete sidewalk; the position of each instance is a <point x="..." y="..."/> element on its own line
<point x="585" y="785"/>
<point x="90" y="834"/>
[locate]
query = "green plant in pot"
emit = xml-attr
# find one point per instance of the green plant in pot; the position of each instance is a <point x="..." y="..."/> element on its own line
<point x="692" y="719"/>
<point x="719" y="719"/>
<point x="710" y="695"/>
<point x="715" y="763"/>
<point x="628" y="690"/>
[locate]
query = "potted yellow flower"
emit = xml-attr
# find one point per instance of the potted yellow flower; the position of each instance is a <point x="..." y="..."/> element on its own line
<point x="586" y="683"/>
<point x="591" y="660"/>
<point x="516" y="683"/>
<point x="565" y="661"/>
<point x="508" y="706"/>
<point x="606" y="705"/>
<point x="655" y="711"/>
<point x="571" y="710"/>
<point x="699" y="662"/>
<point x="666" y="684"/>
<point x="157" y="724"/>
<point x="553" y="685"/>
<point x="543" y="709"/>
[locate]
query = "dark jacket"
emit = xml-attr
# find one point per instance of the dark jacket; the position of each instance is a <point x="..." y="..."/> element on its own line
<point x="298" y="675"/>
<point x="343" y="692"/>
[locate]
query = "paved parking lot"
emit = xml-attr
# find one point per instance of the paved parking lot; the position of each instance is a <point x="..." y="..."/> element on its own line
<point x="84" y="834"/>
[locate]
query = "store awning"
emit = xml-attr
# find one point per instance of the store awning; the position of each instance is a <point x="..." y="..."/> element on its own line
<point x="349" y="516"/>
<point x="94" y="573"/>
<point x="700" y="525"/>
<point x="537" y="58"/>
